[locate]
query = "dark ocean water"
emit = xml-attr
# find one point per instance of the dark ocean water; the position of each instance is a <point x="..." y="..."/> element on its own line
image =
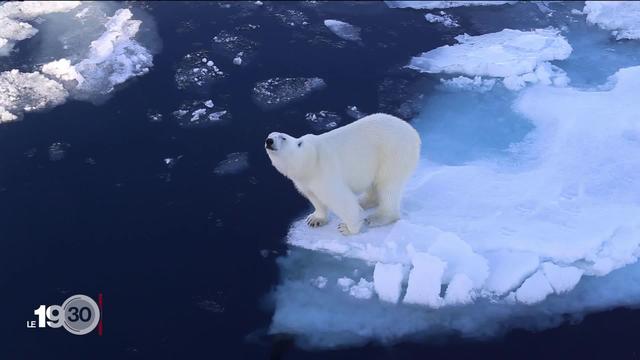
<point x="176" y="251"/>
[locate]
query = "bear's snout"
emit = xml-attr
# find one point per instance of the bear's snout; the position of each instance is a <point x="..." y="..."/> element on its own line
<point x="269" y="143"/>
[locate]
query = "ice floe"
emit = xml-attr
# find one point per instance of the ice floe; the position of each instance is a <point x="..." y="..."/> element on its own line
<point x="488" y="241"/>
<point x="277" y="92"/>
<point x="621" y="17"/>
<point x="197" y="69"/>
<point x="343" y="30"/>
<point x="23" y="92"/>
<point x="518" y="57"/>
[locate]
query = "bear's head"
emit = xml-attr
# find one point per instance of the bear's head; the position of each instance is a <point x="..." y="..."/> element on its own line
<point x="293" y="157"/>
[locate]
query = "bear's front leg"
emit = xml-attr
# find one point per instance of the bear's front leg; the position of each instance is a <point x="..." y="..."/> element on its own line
<point x="344" y="203"/>
<point x="320" y="215"/>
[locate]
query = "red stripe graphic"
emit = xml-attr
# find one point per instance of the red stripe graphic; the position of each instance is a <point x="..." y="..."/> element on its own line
<point x="100" y="306"/>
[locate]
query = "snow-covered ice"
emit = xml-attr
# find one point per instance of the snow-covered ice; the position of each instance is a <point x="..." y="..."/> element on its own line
<point x="543" y="228"/>
<point x="621" y="17"/>
<point x="519" y="57"/>
<point x="343" y="29"/>
<point x="23" y="92"/>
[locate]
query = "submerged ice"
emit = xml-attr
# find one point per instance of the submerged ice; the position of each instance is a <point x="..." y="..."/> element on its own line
<point x="526" y="206"/>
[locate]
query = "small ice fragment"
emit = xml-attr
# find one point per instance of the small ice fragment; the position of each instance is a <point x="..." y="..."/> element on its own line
<point x="344" y="283"/>
<point x="209" y="63"/>
<point x="320" y="282"/>
<point x="264" y="253"/>
<point x="208" y="103"/>
<point x="362" y="290"/>
<point x="197" y="113"/>
<point x="387" y="280"/>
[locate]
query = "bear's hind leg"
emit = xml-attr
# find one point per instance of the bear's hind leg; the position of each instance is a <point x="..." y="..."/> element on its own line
<point x="390" y="194"/>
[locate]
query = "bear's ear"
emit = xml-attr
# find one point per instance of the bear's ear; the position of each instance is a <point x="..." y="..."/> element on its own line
<point x="299" y="143"/>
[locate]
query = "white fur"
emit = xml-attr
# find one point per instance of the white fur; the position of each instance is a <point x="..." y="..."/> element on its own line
<point x="372" y="157"/>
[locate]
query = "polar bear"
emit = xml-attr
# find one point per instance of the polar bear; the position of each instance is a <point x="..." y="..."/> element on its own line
<point x="372" y="158"/>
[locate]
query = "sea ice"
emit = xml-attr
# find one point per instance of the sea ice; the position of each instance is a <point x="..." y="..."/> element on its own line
<point x="198" y="114"/>
<point x="518" y="57"/>
<point x="277" y="92"/>
<point x="343" y="30"/>
<point x="621" y="17"/>
<point x="234" y="163"/>
<point x="425" y="279"/>
<point x="443" y="18"/>
<point x="323" y="120"/>
<point x="24" y="92"/>
<point x="193" y="72"/>
<point x="387" y="281"/>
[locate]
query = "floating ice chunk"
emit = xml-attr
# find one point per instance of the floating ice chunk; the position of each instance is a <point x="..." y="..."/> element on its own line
<point x="195" y="115"/>
<point x="442" y="4"/>
<point x="506" y="54"/>
<point x="234" y="163"/>
<point x="425" y="279"/>
<point x="387" y="280"/>
<point x="238" y="59"/>
<point x="561" y="278"/>
<point x="354" y="112"/>
<point x="24" y="92"/>
<point x="362" y="290"/>
<point x="323" y="120"/>
<point x="192" y="71"/>
<point x="622" y="17"/>
<point x="444" y="18"/>
<point x="199" y="116"/>
<point x="320" y="282"/>
<point x="534" y="289"/>
<point x="463" y="83"/>
<point x="459" y="291"/>
<point x="343" y="30"/>
<point x="345" y="283"/>
<point x="61" y="69"/>
<point x="277" y="92"/>
<point x="114" y="57"/>
<point x="460" y="259"/>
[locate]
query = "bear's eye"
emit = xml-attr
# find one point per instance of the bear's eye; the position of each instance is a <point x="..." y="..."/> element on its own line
<point x="283" y="138"/>
<point x="300" y="144"/>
